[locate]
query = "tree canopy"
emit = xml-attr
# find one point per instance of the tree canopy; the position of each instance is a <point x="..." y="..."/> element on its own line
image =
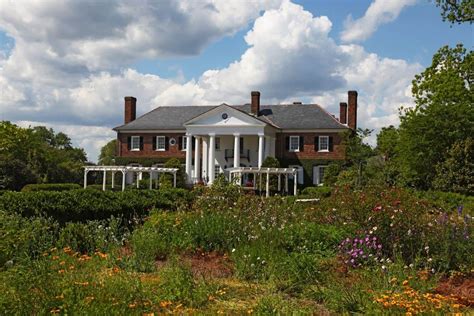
<point x="37" y="155"/>
<point x="457" y="11"/>
<point x="108" y="153"/>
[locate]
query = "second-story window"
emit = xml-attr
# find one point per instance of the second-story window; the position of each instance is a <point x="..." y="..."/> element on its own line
<point x="160" y="143"/>
<point x="294" y="143"/>
<point x="135" y="143"/>
<point x="218" y="143"/>
<point x="323" y="143"/>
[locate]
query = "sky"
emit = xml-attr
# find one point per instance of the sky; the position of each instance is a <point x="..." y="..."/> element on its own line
<point x="68" y="64"/>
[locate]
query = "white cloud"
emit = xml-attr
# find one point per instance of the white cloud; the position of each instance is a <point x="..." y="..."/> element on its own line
<point x="379" y="12"/>
<point x="67" y="81"/>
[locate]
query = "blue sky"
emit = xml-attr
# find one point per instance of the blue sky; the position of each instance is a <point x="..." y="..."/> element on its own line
<point x="68" y="64"/>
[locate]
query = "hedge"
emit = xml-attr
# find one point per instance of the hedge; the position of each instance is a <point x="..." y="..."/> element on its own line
<point x="50" y="187"/>
<point x="83" y="205"/>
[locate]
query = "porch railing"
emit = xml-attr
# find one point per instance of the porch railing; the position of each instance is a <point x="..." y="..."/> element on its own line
<point x="229" y="153"/>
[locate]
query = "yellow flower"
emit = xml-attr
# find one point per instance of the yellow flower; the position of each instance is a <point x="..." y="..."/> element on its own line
<point x="55" y="311"/>
<point x="165" y="304"/>
<point x="405" y="282"/>
<point x="132" y="305"/>
<point x="393" y="280"/>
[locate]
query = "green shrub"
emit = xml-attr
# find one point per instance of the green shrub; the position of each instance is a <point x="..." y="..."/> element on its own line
<point x="83" y="205"/>
<point x="166" y="179"/>
<point x="22" y="238"/>
<point x="50" y="187"/>
<point x="317" y="192"/>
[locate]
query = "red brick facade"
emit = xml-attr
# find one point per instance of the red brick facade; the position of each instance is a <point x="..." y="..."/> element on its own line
<point x="309" y="150"/>
<point x="148" y="151"/>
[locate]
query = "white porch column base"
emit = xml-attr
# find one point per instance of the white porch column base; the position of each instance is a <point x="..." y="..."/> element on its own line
<point x="260" y="150"/>
<point x="212" y="163"/>
<point x="197" y="158"/>
<point x="189" y="152"/>
<point x="236" y="150"/>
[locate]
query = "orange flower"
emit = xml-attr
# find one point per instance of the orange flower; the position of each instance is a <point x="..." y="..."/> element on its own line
<point x="132" y="305"/>
<point x="55" y="311"/>
<point x="55" y="257"/>
<point x="61" y="271"/>
<point x="165" y="304"/>
<point x="405" y="282"/>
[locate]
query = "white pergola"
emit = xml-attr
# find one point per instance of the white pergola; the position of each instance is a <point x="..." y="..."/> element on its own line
<point x="125" y="170"/>
<point x="235" y="175"/>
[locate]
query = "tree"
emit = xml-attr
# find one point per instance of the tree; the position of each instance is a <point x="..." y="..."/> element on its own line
<point x="443" y="115"/>
<point x="108" y="153"/>
<point x="357" y="152"/>
<point x="387" y="142"/>
<point x="456" y="11"/>
<point x="456" y="173"/>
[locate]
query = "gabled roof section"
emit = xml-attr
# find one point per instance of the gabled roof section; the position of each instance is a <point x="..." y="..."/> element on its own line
<point x="235" y="117"/>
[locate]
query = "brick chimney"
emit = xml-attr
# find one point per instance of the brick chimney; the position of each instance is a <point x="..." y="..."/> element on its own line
<point x="343" y="112"/>
<point x="255" y="106"/>
<point x="130" y="109"/>
<point x="352" y="110"/>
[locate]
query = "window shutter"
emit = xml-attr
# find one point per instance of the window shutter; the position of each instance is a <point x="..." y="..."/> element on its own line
<point x="167" y="143"/>
<point x="287" y="143"/>
<point x="301" y="143"/>
<point x="129" y="142"/>
<point x="330" y="144"/>
<point x="154" y="142"/>
<point x="194" y="143"/>
<point x="180" y="142"/>
<point x="316" y="143"/>
<point x="141" y="142"/>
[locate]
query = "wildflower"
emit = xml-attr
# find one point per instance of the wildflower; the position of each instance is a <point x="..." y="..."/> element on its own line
<point x="132" y="305"/>
<point x="61" y="271"/>
<point x="62" y="263"/>
<point x="55" y="311"/>
<point x="233" y="249"/>
<point x="405" y="282"/>
<point x="384" y="267"/>
<point x="55" y="258"/>
<point x="165" y="304"/>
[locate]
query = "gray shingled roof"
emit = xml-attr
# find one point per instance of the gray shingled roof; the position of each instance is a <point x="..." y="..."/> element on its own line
<point x="284" y="116"/>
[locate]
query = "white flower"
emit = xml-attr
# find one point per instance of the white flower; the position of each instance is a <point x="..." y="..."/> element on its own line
<point x="411" y="265"/>
<point x="384" y="267"/>
<point x="427" y="248"/>
<point x="430" y="259"/>
<point x="374" y="228"/>
<point x="233" y="249"/>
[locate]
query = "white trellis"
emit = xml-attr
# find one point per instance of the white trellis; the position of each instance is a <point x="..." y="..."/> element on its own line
<point x="235" y="174"/>
<point x="126" y="169"/>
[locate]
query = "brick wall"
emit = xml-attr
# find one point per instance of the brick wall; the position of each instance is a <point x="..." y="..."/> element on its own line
<point x="173" y="150"/>
<point x="309" y="151"/>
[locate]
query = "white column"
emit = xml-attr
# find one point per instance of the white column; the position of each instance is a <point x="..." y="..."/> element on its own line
<point x="260" y="149"/>
<point x="212" y="163"/>
<point x="138" y="179"/>
<point x="85" y="178"/>
<point x="104" y="180"/>
<point x="267" y="187"/>
<point x="267" y="146"/>
<point x="151" y="180"/>
<point x="205" y="161"/>
<point x="189" y="152"/>
<point x="174" y="179"/>
<point x="296" y="182"/>
<point x="113" y="179"/>
<point x="124" y="174"/>
<point x="236" y="150"/>
<point x="197" y="158"/>
<point x="279" y="183"/>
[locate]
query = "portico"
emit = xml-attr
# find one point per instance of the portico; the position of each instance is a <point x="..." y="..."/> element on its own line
<point x="226" y="138"/>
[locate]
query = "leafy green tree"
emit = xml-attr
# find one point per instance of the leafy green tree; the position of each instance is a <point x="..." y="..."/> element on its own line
<point x="108" y="153"/>
<point x="456" y="173"/>
<point x="270" y="162"/>
<point x="387" y="142"/>
<point x="358" y="152"/>
<point x="443" y="115"/>
<point x="456" y="11"/>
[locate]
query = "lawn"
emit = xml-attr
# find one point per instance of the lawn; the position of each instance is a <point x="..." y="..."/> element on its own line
<point x="216" y="251"/>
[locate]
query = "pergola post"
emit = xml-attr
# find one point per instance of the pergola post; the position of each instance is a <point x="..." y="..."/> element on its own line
<point x="279" y="182"/>
<point x="286" y="183"/>
<point x="113" y="179"/>
<point x="296" y="182"/>
<point x="174" y="179"/>
<point x="260" y="182"/>
<point x="151" y="180"/>
<point x="138" y="179"/>
<point x="104" y="180"/>
<point x="85" y="177"/>
<point x="124" y="173"/>
<point x="267" y="188"/>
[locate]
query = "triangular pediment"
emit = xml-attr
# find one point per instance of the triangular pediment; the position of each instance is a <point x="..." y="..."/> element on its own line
<point x="224" y="115"/>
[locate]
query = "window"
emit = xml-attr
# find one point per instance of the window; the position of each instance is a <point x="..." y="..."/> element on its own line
<point x="323" y="143"/>
<point x="135" y="143"/>
<point x="184" y="142"/>
<point x="160" y="143"/>
<point x="217" y="169"/>
<point x="294" y="143"/>
<point x="218" y="143"/>
<point x="318" y="175"/>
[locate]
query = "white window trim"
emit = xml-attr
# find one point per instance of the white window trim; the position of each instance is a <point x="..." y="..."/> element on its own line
<point x="131" y="143"/>
<point x="164" y="142"/>
<point x="289" y="145"/>
<point x="184" y="143"/>
<point x="319" y="144"/>
<point x="318" y="173"/>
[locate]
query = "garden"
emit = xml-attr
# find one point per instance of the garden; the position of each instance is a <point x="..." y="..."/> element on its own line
<point x="383" y="250"/>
